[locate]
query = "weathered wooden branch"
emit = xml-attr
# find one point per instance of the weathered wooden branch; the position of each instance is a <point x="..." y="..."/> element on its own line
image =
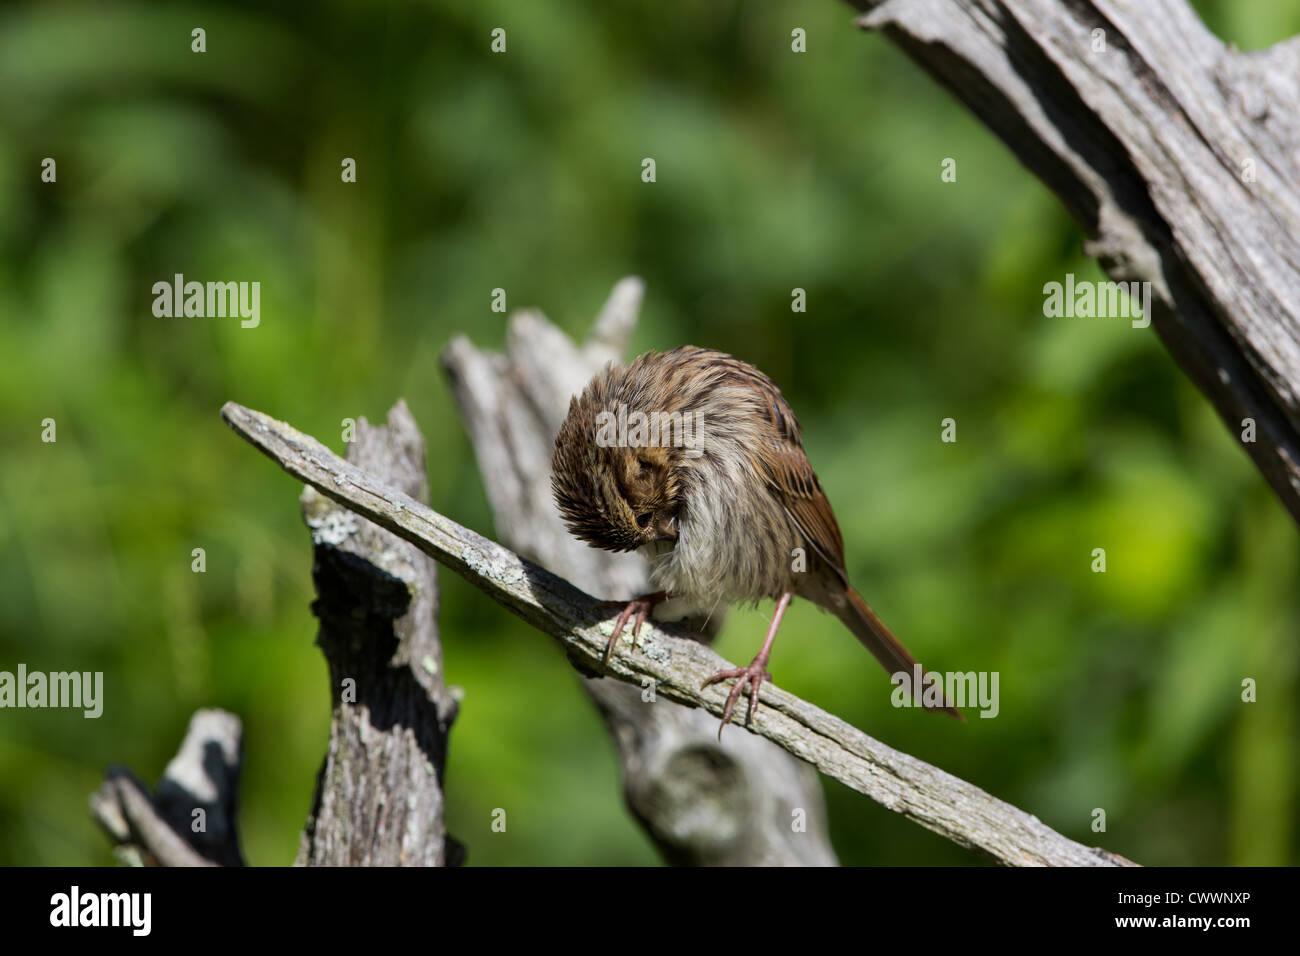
<point x="675" y="664"/>
<point x="1179" y="155"/>
<point x="702" y="801"/>
<point x="379" y="799"/>
<point x="190" y="821"/>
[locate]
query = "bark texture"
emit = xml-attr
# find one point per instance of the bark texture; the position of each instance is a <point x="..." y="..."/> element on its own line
<point x="379" y="795"/>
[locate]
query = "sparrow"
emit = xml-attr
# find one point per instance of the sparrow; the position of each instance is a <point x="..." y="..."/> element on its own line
<point x="693" y="458"/>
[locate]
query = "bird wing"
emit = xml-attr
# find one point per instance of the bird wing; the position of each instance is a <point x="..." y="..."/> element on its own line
<point x="795" y="485"/>
<point x="791" y="478"/>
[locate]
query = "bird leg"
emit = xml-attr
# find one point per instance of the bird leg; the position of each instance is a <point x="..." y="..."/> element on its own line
<point x="639" y="606"/>
<point x="754" y="674"/>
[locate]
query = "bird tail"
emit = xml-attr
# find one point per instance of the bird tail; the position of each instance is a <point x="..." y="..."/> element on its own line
<point x="889" y="650"/>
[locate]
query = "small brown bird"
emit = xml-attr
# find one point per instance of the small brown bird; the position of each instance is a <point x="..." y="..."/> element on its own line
<point x="694" y="458"/>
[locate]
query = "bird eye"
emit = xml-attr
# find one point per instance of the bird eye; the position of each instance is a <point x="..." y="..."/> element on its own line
<point x="643" y="519"/>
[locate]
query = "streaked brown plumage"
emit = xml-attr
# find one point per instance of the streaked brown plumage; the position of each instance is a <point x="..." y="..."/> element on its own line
<point x="721" y="521"/>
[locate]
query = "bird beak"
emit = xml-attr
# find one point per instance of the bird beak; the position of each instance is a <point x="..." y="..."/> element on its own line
<point x="666" y="529"/>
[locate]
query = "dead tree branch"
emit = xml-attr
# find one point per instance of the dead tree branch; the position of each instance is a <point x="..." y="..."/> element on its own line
<point x="191" y="819"/>
<point x="675" y="664"/>
<point x="379" y="798"/>
<point x="1179" y="155"/>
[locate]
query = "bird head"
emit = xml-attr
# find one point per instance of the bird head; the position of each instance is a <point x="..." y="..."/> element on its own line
<point x="612" y="493"/>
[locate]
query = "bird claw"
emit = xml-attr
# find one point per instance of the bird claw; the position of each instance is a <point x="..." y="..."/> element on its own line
<point x="638" y="606"/>
<point x="753" y="675"/>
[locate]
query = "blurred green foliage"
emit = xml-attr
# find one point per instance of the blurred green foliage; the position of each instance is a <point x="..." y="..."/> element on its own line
<point x="522" y="171"/>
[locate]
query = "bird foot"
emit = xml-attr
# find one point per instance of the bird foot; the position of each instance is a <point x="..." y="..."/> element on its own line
<point x="638" y="606"/>
<point x="753" y="675"/>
